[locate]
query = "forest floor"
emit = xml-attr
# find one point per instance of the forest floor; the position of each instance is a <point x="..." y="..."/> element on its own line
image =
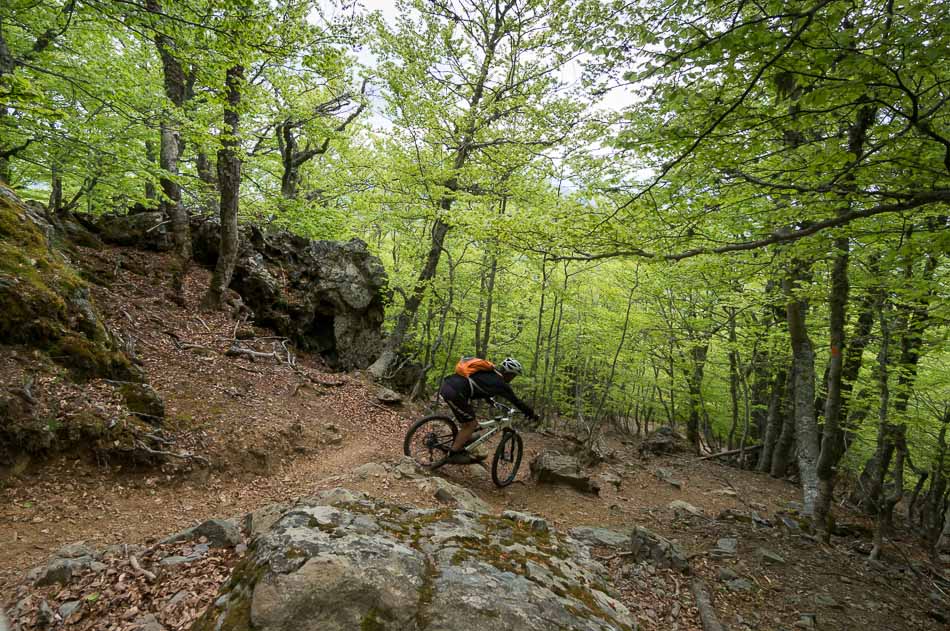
<point x="273" y="433"/>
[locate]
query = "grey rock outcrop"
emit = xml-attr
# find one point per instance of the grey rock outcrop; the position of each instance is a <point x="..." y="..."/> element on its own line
<point x="662" y="441"/>
<point x="453" y="494"/>
<point x="556" y="468"/>
<point x="602" y="537"/>
<point x="326" y="296"/>
<point x="341" y="561"/>
<point x="146" y="230"/>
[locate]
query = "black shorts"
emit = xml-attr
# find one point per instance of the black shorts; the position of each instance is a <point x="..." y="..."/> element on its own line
<point x="459" y="402"/>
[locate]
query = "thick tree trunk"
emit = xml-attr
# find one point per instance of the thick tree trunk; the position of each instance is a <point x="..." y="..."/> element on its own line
<point x="803" y="399"/>
<point x="229" y="176"/>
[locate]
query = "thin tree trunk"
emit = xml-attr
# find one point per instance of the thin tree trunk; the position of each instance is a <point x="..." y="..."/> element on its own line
<point x="831" y="440"/>
<point x="783" y="448"/>
<point x="380" y="368"/>
<point x="773" y="424"/>
<point x="56" y="190"/>
<point x="206" y="173"/>
<point x="733" y="378"/>
<point x="169" y="154"/>
<point x="150" y="158"/>
<point x="613" y="365"/>
<point x="489" y="302"/>
<point x="537" y="344"/>
<point x="229" y="176"/>
<point x="695" y="384"/>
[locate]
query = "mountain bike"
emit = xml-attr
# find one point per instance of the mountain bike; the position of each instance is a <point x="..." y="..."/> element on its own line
<point x="429" y="441"/>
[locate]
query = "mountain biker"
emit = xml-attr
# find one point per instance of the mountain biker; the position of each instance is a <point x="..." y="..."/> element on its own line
<point x="458" y="392"/>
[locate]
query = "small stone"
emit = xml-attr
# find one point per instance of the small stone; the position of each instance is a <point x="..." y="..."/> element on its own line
<point x="148" y="622"/>
<point x="177" y="599"/>
<point x="739" y="585"/>
<point x="667" y="476"/>
<point x="679" y="508"/>
<point x="769" y="557"/>
<point x="370" y="469"/>
<point x="727" y="574"/>
<point x="806" y="621"/>
<point x="824" y="600"/>
<point x="45" y="614"/>
<point x="176" y="560"/>
<point x="389" y="397"/>
<point x="532" y="522"/>
<point x="69" y="608"/>
<point x="725" y="548"/>
<point x="75" y="550"/>
<point x="602" y="537"/>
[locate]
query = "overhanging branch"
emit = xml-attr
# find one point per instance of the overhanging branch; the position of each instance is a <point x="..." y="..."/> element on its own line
<point x="778" y="236"/>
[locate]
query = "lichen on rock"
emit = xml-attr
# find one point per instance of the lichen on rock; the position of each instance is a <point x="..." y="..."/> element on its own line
<point x="341" y="560"/>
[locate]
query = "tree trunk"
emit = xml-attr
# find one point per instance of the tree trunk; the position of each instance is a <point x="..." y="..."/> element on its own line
<point x="206" y="173"/>
<point x="150" y="192"/>
<point x="831" y="441"/>
<point x="786" y="439"/>
<point x="381" y="367"/>
<point x="56" y="190"/>
<point x="934" y="510"/>
<point x="733" y="378"/>
<point x="913" y="320"/>
<point x="229" y="176"/>
<point x="803" y="399"/>
<point x="773" y="423"/>
<point x="695" y="384"/>
<point x="169" y="153"/>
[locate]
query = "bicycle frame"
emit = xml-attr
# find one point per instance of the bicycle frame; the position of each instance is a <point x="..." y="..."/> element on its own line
<point x="492" y="426"/>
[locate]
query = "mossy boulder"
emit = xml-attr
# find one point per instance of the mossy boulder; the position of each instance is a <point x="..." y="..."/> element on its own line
<point x="44" y="304"/>
<point x="341" y="560"/>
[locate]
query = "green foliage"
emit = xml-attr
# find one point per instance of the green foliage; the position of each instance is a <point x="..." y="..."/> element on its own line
<point x="583" y="154"/>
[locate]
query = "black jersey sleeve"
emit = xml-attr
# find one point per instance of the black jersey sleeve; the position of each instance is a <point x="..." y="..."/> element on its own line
<point x="491" y="384"/>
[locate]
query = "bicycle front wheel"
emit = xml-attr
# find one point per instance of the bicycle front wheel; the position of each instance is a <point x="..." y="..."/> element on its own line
<point x="504" y="466"/>
<point x="429" y="440"/>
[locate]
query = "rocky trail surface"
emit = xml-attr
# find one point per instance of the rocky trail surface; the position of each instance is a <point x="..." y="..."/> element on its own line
<point x="246" y="432"/>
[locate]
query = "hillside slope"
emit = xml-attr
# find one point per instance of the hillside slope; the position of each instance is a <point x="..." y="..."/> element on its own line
<point x="254" y="429"/>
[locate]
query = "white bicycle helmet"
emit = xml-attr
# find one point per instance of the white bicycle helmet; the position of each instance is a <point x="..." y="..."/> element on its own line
<point x="511" y="366"/>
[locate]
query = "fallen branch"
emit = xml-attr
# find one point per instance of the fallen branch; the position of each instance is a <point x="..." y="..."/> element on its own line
<point x="203" y="323"/>
<point x="171" y="454"/>
<point x="139" y="569"/>
<point x="237" y="351"/>
<point x="612" y="556"/>
<point x="731" y="452"/>
<point x="704" y="604"/>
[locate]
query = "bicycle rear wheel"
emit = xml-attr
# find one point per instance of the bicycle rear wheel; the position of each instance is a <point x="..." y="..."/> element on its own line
<point x="429" y="440"/>
<point x="507" y="459"/>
